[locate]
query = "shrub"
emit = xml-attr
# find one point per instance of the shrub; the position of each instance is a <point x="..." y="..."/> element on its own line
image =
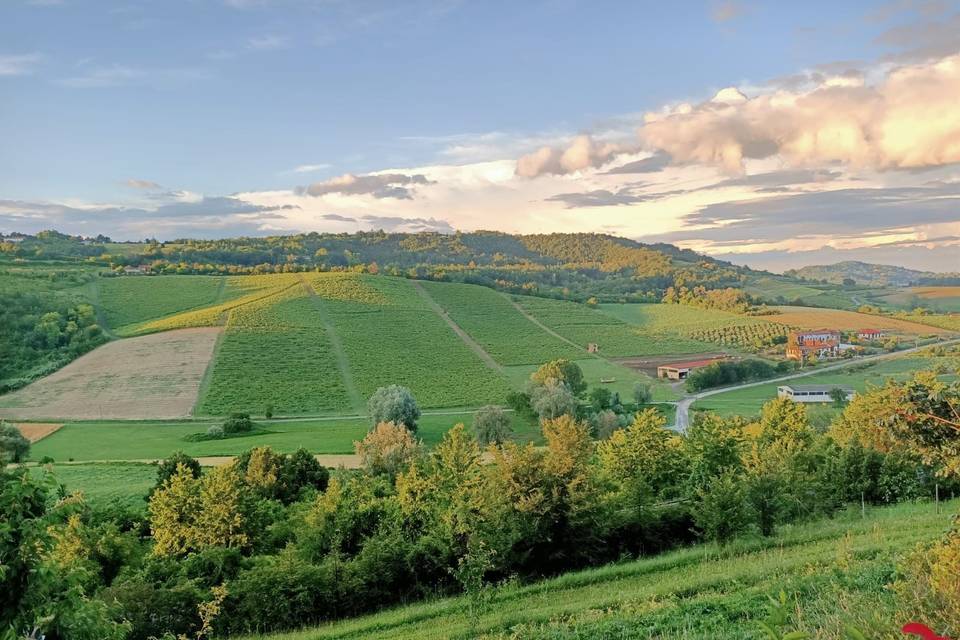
<point x="238" y="423"/>
<point x="394" y="404"/>
<point x="491" y="425"/>
<point x="14" y="447"/>
<point x="388" y="449"/>
<point x="552" y="400"/>
<point x="215" y="431"/>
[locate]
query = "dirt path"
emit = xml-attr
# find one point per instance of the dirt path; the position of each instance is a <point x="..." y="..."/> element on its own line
<point x="470" y="342"/>
<point x="343" y="363"/>
<point x="683" y="406"/>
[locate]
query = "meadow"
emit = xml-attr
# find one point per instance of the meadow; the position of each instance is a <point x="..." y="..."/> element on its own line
<point x="124" y="483"/>
<point x="132" y="299"/>
<point x="582" y="325"/>
<point x="834" y="571"/>
<point x="97" y="441"/>
<point x="502" y="331"/>
<point x="747" y="402"/>
<point x="391" y="336"/>
<point x="938" y="299"/>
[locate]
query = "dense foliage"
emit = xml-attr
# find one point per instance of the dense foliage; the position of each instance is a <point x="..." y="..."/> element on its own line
<point x="728" y="372"/>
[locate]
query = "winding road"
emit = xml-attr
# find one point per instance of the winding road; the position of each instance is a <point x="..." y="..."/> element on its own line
<point x="683" y="405"/>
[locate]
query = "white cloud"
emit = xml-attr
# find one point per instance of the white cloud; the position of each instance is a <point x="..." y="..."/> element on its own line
<point x="111" y="76"/>
<point x="310" y="168"/>
<point x="20" y="64"/>
<point x="269" y="42"/>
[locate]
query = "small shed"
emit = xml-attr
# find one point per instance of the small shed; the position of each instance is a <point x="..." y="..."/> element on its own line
<point x="680" y="370"/>
<point x="593" y="347"/>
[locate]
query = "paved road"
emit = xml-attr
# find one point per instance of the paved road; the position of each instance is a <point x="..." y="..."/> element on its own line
<point x="683" y="406"/>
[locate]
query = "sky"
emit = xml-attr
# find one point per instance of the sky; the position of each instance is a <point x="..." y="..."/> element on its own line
<point x="770" y="134"/>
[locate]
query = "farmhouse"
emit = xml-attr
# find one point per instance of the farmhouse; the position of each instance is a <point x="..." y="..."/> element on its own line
<point x="680" y="370"/>
<point x="823" y="343"/>
<point x="812" y="392"/>
<point x="870" y="334"/>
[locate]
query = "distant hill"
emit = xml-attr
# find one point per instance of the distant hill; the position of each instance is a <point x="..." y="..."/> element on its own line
<point x="865" y="273"/>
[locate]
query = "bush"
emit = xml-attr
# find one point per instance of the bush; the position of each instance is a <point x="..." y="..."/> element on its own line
<point x="238" y="423"/>
<point x="552" y="400"/>
<point x="14" y="447"/>
<point x="491" y="425"/>
<point x="215" y="431"/>
<point x="388" y="449"/>
<point x="393" y="404"/>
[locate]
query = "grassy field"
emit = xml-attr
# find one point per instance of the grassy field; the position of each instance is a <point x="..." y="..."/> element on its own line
<point x="938" y="299"/>
<point x="391" y="336"/>
<point x="275" y="352"/>
<point x="502" y="331"/>
<point x="814" y="318"/>
<point x="84" y="441"/>
<point x="133" y="299"/>
<point x="583" y="325"/>
<point x="597" y="369"/>
<point x="122" y="482"/>
<point x="748" y="401"/>
<point x="836" y="570"/>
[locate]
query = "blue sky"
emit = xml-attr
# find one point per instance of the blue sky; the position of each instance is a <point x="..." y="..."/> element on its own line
<point x="165" y="107"/>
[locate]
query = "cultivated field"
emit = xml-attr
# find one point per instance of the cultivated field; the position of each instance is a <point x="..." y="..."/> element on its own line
<point x="699" y="592"/>
<point x="814" y="318"/>
<point x="497" y="325"/>
<point x="156" y="376"/>
<point x="123" y="483"/>
<point x="583" y="325"/>
<point x="132" y="299"/>
<point x="36" y="431"/>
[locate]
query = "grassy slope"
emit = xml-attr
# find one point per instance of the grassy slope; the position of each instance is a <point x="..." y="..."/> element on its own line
<point x="838" y="570"/>
<point x="133" y="299"/>
<point x="748" y="401"/>
<point x="125" y="483"/>
<point x="147" y="441"/>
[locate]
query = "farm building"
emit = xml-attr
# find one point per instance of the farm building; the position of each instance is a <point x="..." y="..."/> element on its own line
<point x="870" y="334"/>
<point x="680" y="370"/>
<point x="812" y="392"/>
<point x="823" y="343"/>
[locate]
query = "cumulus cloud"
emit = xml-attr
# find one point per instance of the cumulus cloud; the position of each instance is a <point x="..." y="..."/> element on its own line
<point x="908" y="119"/>
<point x="379" y="185"/>
<point x="656" y="162"/>
<point x="582" y="153"/>
<point x="407" y="225"/>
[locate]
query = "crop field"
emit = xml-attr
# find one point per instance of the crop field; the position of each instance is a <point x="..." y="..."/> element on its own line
<point x="391" y="336"/>
<point x="124" y="483"/>
<point x="938" y="299"/>
<point x="773" y="288"/>
<point x="132" y="299"/>
<point x="583" y="325"/>
<point x="502" y="331"/>
<point x="238" y="291"/>
<point x="747" y="402"/>
<point x="951" y="322"/>
<point x="91" y="441"/>
<point x="156" y="376"/>
<point x="702" y="325"/>
<point x="698" y="592"/>
<point x="37" y="431"/>
<point x="813" y="318"/>
<point x="275" y="352"/>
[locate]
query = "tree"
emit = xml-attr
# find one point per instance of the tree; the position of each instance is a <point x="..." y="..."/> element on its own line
<point x="561" y="370"/>
<point x="169" y="467"/>
<point x="600" y="398"/>
<point x="491" y="425"/>
<point x="720" y="509"/>
<point x="553" y="399"/>
<point x="394" y="404"/>
<point x="14" y="446"/>
<point x="605" y="423"/>
<point x="839" y="397"/>
<point x="388" y="449"/>
<point x="238" y="423"/>
<point x="642" y="393"/>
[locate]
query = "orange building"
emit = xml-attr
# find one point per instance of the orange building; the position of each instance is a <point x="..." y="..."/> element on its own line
<point x="822" y="343"/>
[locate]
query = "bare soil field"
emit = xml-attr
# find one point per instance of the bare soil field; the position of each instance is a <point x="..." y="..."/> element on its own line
<point x="649" y="364"/>
<point x="816" y="318"/>
<point x="154" y="376"/>
<point x="36" y="431"/>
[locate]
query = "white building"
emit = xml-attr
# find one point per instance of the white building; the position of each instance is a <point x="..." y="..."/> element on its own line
<point x="812" y="392"/>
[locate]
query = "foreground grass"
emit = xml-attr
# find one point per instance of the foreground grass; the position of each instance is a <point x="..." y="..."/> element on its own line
<point x="83" y="441"/>
<point x="837" y="569"/>
<point x="106" y="483"/>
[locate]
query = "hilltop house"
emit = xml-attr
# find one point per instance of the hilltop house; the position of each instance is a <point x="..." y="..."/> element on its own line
<point x="871" y="334"/>
<point x="680" y="370"/>
<point x="822" y="343"/>
<point x="812" y="392"/>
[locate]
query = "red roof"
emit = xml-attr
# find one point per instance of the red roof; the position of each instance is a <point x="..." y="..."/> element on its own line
<point x="693" y="364"/>
<point x="870" y="331"/>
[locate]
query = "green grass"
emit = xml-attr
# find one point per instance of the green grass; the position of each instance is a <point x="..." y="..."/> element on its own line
<point x="772" y="288"/>
<point x="503" y="332"/>
<point x="275" y="352"/>
<point x="391" y="336"/>
<point x="119" y="482"/>
<point x="596" y="369"/>
<point x="747" y="402"/>
<point x="84" y="441"/>
<point x="131" y="299"/>
<point x="616" y="338"/>
<point x="837" y="570"/>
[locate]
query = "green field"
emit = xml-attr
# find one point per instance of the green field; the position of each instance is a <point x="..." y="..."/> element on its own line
<point x="836" y="570"/>
<point x="116" y="482"/>
<point x="773" y="288"/>
<point x="597" y="369"/>
<point x="391" y="336"/>
<point x="275" y="352"/>
<point x="616" y="338"/>
<point x="748" y="401"/>
<point x="503" y="332"/>
<point x="132" y="299"/>
<point x="83" y="441"/>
